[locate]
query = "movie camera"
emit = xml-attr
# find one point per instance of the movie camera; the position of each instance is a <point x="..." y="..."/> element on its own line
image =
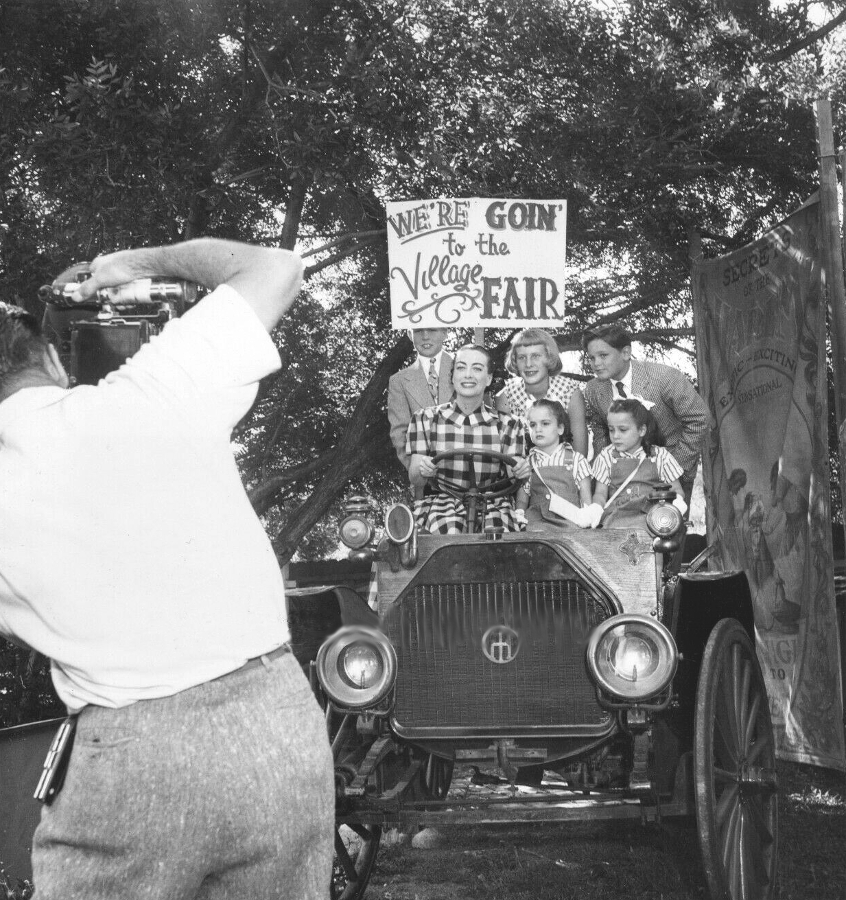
<point x="97" y="336"/>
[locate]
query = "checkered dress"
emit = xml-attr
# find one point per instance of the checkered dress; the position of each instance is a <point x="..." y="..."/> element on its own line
<point x="440" y="428"/>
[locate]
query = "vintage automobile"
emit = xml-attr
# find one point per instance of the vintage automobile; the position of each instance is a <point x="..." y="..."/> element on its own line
<point x="588" y="664"/>
<point x="583" y="663"/>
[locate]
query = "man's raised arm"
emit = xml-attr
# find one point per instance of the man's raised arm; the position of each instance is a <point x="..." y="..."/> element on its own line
<point x="268" y="279"/>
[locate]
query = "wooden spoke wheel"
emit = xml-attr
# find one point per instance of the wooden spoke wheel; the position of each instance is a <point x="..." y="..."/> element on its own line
<point x="734" y="769"/>
<point x="356" y="847"/>
<point x="436" y="777"/>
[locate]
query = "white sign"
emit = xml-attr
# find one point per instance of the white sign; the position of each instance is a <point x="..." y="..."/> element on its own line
<point x="477" y="263"/>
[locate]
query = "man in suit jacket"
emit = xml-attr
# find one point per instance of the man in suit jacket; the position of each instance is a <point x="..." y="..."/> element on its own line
<point x="411" y="388"/>
<point x="681" y="414"/>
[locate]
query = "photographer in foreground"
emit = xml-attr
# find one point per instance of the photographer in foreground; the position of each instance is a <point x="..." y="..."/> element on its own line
<point x="130" y="555"/>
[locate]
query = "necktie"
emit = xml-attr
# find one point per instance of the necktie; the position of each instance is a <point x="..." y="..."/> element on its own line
<point x="621" y="390"/>
<point x="433" y="379"/>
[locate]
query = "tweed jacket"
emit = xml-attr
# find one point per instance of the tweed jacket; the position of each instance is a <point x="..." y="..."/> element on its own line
<point x="408" y="391"/>
<point x="681" y="414"/>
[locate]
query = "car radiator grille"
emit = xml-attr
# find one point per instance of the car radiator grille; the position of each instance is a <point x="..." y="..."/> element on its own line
<point x="446" y="681"/>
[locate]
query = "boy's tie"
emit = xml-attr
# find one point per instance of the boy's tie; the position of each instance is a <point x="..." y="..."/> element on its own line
<point x="433" y="379"/>
<point x="621" y="390"/>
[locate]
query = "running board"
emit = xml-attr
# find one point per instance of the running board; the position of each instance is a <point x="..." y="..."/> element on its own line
<point x="507" y="811"/>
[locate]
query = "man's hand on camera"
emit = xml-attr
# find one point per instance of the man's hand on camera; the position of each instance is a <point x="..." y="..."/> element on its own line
<point x="267" y="279"/>
<point x="113" y="269"/>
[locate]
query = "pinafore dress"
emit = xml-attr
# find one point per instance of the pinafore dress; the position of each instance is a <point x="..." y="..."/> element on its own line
<point x="629" y="508"/>
<point x="560" y="479"/>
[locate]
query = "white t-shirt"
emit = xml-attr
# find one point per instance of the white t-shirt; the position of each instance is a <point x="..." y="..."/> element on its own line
<point x="129" y="552"/>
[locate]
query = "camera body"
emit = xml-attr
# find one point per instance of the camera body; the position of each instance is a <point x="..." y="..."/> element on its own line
<point x="97" y="336"/>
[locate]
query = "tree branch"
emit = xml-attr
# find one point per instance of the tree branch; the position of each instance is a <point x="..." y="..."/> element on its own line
<point x="353" y="236"/>
<point x="341" y="254"/>
<point x="572" y="341"/>
<point x="264" y="495"/>
<point x="804" y="42"/>
<point x="293" y="214"/>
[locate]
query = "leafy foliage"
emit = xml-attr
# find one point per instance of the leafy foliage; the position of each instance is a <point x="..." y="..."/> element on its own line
<point x="291" y="122"/>
<point x="26" y="692"/>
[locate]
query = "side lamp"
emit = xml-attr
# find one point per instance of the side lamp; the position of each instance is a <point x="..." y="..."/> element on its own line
<point x="355" y="529"/>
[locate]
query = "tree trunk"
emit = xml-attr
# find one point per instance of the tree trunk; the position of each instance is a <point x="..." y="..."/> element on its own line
<point x="294" y="212"/>
<point x="264" y="495"/>
<point x="366" y="430"/>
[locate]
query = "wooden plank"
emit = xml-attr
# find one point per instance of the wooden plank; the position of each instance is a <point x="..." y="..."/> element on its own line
<point x="518" y="813"/>
<point x="834" y="277"/>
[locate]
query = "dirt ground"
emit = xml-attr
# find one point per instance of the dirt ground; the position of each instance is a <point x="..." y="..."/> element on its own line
<point x="588" y="861"/>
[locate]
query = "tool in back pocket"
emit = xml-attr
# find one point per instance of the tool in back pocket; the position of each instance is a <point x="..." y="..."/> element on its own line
<point x="56" y="763"/>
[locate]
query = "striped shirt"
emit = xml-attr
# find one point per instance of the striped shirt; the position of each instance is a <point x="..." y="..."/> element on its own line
<point x="562" y="455"/>
<point x="668" y="468"/>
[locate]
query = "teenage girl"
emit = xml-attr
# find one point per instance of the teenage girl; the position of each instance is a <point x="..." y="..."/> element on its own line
<point x="556" y="468"/>
<point x="630" y="469"/>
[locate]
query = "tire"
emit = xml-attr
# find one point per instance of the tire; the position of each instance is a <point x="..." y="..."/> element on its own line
<point x="736" y="796"/>
<point x="356" y="845"/>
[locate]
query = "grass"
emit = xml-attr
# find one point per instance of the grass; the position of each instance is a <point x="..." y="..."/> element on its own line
<point x="599" y="861"/>
<point x="812" y="861"/>
<point x="14" y="889"/>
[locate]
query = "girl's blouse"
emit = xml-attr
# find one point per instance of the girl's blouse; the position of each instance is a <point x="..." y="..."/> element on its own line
<point x="561" y="456"/>
<point x="560" y="388"/>
<point x="668" y="468"/>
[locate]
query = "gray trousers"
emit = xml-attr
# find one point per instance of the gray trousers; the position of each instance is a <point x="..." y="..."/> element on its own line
<point x="221" y="791"/>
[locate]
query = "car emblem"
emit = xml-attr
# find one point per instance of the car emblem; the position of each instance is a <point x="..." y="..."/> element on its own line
<point x="634" y="549"/>
<point x="501" y="644"/>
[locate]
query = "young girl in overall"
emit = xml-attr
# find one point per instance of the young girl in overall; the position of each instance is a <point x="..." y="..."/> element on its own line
<point x="556" y="469"/>
<point x="632" y="467"/>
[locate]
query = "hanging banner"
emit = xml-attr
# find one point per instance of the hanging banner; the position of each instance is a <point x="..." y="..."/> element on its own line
<point x="472" y="263"/>
<point x="760" y="338"/>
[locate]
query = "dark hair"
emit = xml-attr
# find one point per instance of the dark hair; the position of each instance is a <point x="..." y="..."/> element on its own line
<point x="643" y="418"/>
<point x="558" y="411"/>
<point x="532" y="337"/>
<point x="479" y="349"/>
<point x="616" y="336"/>
<point x="22" y="344"/>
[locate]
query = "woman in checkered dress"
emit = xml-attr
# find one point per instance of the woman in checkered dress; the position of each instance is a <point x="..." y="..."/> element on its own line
<point x="536" y="364"/>
<point x="464" y="423"/>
